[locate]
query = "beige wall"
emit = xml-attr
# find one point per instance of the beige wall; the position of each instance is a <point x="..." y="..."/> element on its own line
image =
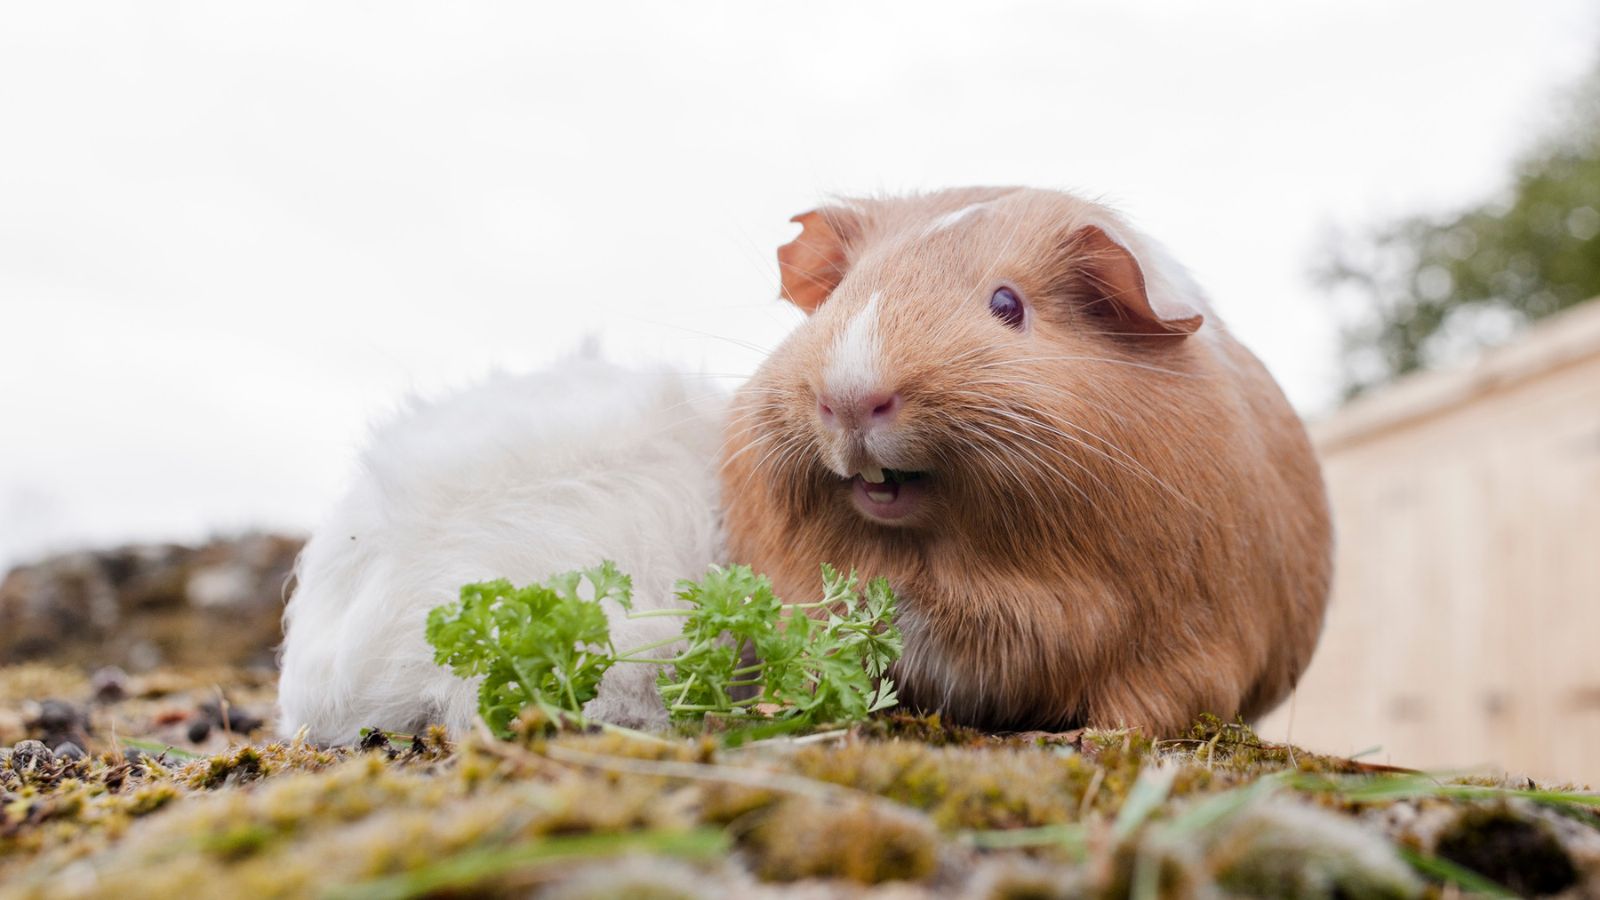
<point x="1465" y="625"/>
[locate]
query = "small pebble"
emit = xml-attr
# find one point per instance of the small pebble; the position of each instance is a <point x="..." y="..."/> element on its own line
<point x="109" y="684"/>
<point x="236" y="721"/>
<point x="56" y="715"/>
<point x="199" y="730"/>
<point x="27" y="755"/>
<point x="57" y="721"/>
<point x="69" y="750"/>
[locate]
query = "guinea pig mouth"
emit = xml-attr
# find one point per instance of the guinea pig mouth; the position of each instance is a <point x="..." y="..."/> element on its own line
<point x="891" y="496"/>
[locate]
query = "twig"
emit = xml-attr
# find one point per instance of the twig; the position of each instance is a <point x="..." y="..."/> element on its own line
<point x="467" y="870"/>
<point x="819" y="737"/>
<point x="222" y="712"/>
<point x="634" y="733"/>
<point x="1087" y="803"/>
<point x="753" y="778"/>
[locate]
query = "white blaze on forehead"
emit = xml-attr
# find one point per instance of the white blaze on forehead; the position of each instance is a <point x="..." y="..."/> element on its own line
<point x="951" y="218"/>
<point x="852" y="367"/>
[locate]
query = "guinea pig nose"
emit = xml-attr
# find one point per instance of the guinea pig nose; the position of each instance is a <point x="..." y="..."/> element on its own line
<point x="881" y="407"/>
<point x="858" y="412"/>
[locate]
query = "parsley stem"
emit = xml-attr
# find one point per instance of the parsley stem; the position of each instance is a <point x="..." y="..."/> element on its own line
<point x="815" y="605"/>
<point x="658" y="613"/>
<point x="687" y="683"/>
<point x="677" y="688"/>
<point x="524" y="679"/>
<point x="608" y="728"/>
<point x="629" y="656"/>
<point x="649" y="660"/>
<point x="687" y="707"/>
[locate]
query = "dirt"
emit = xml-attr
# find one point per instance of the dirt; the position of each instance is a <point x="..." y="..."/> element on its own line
<point x="145" y="606"/>
<point x="179" y="789"/>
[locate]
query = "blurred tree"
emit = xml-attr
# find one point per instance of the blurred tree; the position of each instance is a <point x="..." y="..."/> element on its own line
<point x="1428" y="289"/>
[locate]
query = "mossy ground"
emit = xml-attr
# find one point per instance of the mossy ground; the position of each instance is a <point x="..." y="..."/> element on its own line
<point x="896" y="807"/>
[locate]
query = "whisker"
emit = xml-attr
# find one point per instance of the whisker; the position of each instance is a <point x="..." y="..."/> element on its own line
<point x="1100" y="359"/>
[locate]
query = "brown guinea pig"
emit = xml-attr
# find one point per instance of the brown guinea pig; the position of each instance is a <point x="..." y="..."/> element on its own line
<point x="1096" y="506"/>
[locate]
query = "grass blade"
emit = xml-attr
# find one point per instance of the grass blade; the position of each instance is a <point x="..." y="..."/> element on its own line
<point x="1214" y="809"/>
<point x="1071" y="835"/>
<point x="155" y="748"/>
<point x="1441" y="869"/>
<point x="1400" y="787"/>
<point x="1148" y="793"/>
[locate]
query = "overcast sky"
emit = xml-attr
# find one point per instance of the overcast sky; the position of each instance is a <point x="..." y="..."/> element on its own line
<point x="232" y="235"/>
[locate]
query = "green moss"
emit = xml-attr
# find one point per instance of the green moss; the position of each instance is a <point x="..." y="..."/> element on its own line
<point x="861" y="842"/>
<point x="239" y="766"/>
<point x="923" y="729"/>
<point x="971" y="788"/>
<point x="900" y="799"/>
<point x="146" y="799"/>
<point x="239" y="841"/>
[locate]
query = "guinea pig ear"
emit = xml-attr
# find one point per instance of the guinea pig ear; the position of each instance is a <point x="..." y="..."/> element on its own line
<point x="814" y="263"/>
<point x="1111" y="276"/>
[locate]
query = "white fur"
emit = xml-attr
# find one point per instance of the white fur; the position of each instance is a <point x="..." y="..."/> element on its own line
<point x="951" y="218"/>
<point x="518" y="478"/>
<point x="852" y="368"/>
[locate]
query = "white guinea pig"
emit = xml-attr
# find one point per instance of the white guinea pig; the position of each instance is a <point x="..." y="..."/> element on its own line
<point x="518" y="478"/>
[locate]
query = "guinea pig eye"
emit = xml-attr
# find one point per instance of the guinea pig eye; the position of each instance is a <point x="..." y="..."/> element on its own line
<point x="1007" y="307"/>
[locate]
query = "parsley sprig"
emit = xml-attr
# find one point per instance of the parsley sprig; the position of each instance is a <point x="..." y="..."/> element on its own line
<point x="746" y="654"/>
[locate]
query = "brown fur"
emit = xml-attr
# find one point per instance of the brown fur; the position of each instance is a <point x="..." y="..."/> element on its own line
<point x="1125" y="524"/>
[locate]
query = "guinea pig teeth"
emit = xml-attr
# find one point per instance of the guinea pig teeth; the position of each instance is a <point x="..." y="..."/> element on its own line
<point x="872" y="474"/>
